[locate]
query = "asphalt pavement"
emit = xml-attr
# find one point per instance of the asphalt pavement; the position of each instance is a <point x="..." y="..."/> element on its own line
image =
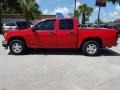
<point x="60" y="70"/>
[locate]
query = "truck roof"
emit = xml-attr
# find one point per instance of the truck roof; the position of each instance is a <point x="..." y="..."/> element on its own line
<point x="59" y="18"/>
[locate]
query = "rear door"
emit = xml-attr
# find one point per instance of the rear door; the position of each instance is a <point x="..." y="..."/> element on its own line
<point x="66" y="34"/>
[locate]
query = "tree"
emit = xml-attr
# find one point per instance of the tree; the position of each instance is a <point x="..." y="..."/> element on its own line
<point x="100" y="21"/>
<point x="115" y="1"/>
<point x="117" y="21"/>
<point x="84" y="11"/>
<point x="9" y="3"/>
<point x="76" y="14"/>
<point x="10" y="6"/>
<point x="29" y="8"/>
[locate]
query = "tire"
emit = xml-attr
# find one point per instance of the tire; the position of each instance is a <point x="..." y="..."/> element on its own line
<point x="91" y="48"/>
<point x="17" y="47"/>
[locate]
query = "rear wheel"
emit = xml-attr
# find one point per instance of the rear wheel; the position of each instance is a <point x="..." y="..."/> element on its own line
<point x="90" y="48"/>
<point x="17" y="47"/>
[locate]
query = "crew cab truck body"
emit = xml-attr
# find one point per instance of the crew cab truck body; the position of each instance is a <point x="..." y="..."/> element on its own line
<point x="60" y="33"/>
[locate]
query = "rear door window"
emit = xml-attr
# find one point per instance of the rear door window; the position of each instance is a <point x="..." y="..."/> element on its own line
<point x="66" y="25"/>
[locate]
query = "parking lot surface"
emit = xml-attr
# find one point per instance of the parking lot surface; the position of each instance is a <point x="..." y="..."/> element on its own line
<point x="60" y="70"/>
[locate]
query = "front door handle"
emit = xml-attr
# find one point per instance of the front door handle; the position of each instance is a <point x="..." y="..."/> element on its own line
<point x="51" y="33"/>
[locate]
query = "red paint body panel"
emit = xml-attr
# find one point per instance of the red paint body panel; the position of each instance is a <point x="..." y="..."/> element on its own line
<point x="66" y="38"/>
<point x="108" y="37"/>
<point x="63" y="39"/>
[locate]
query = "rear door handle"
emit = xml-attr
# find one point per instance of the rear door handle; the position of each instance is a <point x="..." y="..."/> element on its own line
<point x="51" y="33"/>
<point x="71" y="33"/>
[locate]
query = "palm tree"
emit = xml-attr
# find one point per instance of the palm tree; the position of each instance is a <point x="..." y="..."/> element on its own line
<point x="85" y="11"/>
<point x="77" y="14"/>
<point x="29" y="8"/>
<point x="115" y="1"/>
<point x="11" y="3"/>
<point x="100" y="22"/>
<point x="10" y="6"/>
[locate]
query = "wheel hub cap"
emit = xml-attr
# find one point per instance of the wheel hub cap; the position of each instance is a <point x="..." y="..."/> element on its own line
<point x="91" y="48"/>
<point x="17" y="48"/>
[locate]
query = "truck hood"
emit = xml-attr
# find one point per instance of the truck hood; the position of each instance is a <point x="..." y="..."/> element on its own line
<point x="17" y="32"/>
<point x="21" y="30"/>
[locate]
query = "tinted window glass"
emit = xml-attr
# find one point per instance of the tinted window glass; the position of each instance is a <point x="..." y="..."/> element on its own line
<point x="66" y="24"/>
<point x="21" y="25"/>
<point x="46" y="25"/>
<point x="10" y="24"/>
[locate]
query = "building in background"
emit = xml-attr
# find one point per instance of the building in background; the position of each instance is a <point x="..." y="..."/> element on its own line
<point x="17" y="17"/>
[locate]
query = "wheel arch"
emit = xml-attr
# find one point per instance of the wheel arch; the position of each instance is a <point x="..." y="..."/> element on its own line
<point x="97" y="39"/>
<point x="17" y="38"/>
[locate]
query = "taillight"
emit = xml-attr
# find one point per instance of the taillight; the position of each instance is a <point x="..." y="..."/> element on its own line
<point x="117" y="35"/>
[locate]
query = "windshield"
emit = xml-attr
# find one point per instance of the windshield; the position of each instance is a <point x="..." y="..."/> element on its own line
<point x="10" y="24"/>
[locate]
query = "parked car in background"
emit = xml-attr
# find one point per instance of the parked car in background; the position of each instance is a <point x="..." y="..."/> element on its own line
<point x="116" y="27"/>
<point x="23" y="24"/>
<point x="9" y="26"/>
<point x="1" y="27"/>
<point x="113" y="27"/>
<point x="83" y="26"/>
<point x="88" y="25"/>
<point x="18" y="25"/>
<point x="103" y="26"/>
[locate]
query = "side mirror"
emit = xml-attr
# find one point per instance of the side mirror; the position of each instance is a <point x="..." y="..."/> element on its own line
<point x="31" y="26"/>
<point x="33" y="29"/>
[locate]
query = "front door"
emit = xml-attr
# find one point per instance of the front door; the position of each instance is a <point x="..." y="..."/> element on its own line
<point x="45" y="34"/>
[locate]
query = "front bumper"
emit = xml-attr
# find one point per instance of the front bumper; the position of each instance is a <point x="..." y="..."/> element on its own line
<point x="5" y="44"/>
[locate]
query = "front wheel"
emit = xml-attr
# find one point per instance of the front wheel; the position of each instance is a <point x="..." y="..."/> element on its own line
<point x="90" y="48"/>
<point x="17" y="47"/>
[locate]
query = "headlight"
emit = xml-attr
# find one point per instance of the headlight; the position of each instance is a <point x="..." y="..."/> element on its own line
<point x="5" y="34"/>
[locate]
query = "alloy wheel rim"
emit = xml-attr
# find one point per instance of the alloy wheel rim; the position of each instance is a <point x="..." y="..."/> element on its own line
<point x="17" y="48"/>
<point x="91" y="48"/>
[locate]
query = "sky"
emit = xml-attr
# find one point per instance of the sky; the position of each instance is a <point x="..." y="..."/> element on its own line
<point x="108" y="13"/>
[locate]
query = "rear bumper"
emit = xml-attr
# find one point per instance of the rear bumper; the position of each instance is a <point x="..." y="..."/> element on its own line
<point x="116" y="44"/>
<point x="109" y="45"/>
<point x="5" y="44"/>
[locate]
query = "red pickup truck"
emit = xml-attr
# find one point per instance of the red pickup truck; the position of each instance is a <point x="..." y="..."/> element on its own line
<point x="60" y="33"/>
